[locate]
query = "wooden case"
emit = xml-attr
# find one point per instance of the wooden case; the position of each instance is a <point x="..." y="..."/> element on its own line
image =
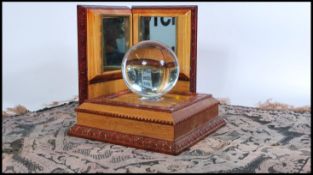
<point x="109" y="112"/>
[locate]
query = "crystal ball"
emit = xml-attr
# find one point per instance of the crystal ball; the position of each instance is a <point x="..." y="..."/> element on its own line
<point x="150" y="69"/>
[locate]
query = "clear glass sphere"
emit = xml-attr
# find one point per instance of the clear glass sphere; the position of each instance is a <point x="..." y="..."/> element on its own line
<point x="150" y="69"/>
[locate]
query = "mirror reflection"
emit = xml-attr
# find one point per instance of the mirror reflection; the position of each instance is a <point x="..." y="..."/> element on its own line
<point x="162" y="29"/>
<point x="115" y="41"/>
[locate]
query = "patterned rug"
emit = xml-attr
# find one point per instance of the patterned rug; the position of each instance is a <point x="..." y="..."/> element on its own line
<point x="253" y="140"/>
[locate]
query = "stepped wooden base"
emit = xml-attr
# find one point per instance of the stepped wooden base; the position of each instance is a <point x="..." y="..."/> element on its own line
<point x="152" y="144"/>
<point x="168" y="126"/>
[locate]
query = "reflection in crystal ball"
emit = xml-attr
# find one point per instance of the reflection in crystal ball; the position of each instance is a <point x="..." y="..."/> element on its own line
<point x="150" y="69"/>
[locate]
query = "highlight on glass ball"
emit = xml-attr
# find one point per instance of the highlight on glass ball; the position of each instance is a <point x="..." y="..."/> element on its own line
<point x="150" y="69"/>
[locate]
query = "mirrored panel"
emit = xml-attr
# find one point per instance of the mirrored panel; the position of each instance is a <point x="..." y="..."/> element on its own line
<point x="162" y="29"/>
<point x="115" y="41"/>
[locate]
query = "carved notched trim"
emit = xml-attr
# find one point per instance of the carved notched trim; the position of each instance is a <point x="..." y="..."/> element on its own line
<point x="124" y="116"/>
<point x="148" y="143"/>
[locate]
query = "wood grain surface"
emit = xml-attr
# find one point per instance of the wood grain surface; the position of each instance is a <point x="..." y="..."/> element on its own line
<point x="93" y="82"/>
<point x="172" y="119"/>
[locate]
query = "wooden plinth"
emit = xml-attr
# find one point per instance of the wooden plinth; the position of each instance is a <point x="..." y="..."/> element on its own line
<point x="169" y="126"/>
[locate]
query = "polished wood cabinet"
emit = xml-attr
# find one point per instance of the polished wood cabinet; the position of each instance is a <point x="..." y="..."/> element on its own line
<point x="108" y="111"/>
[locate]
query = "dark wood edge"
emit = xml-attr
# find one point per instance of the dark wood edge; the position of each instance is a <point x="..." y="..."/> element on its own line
<point x="104" y="7"/>
<point x="183" y="77"/>
<point x="148" y="143"/>
<point x="106" y="101"/>
<point x="193" y="49"/>
<point x="118" y="75"/>
<point x="82" y="53"/>
<point x="173" y="7"/>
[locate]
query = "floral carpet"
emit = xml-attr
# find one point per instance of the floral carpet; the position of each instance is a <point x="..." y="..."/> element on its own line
<point x="253" y="140"/>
